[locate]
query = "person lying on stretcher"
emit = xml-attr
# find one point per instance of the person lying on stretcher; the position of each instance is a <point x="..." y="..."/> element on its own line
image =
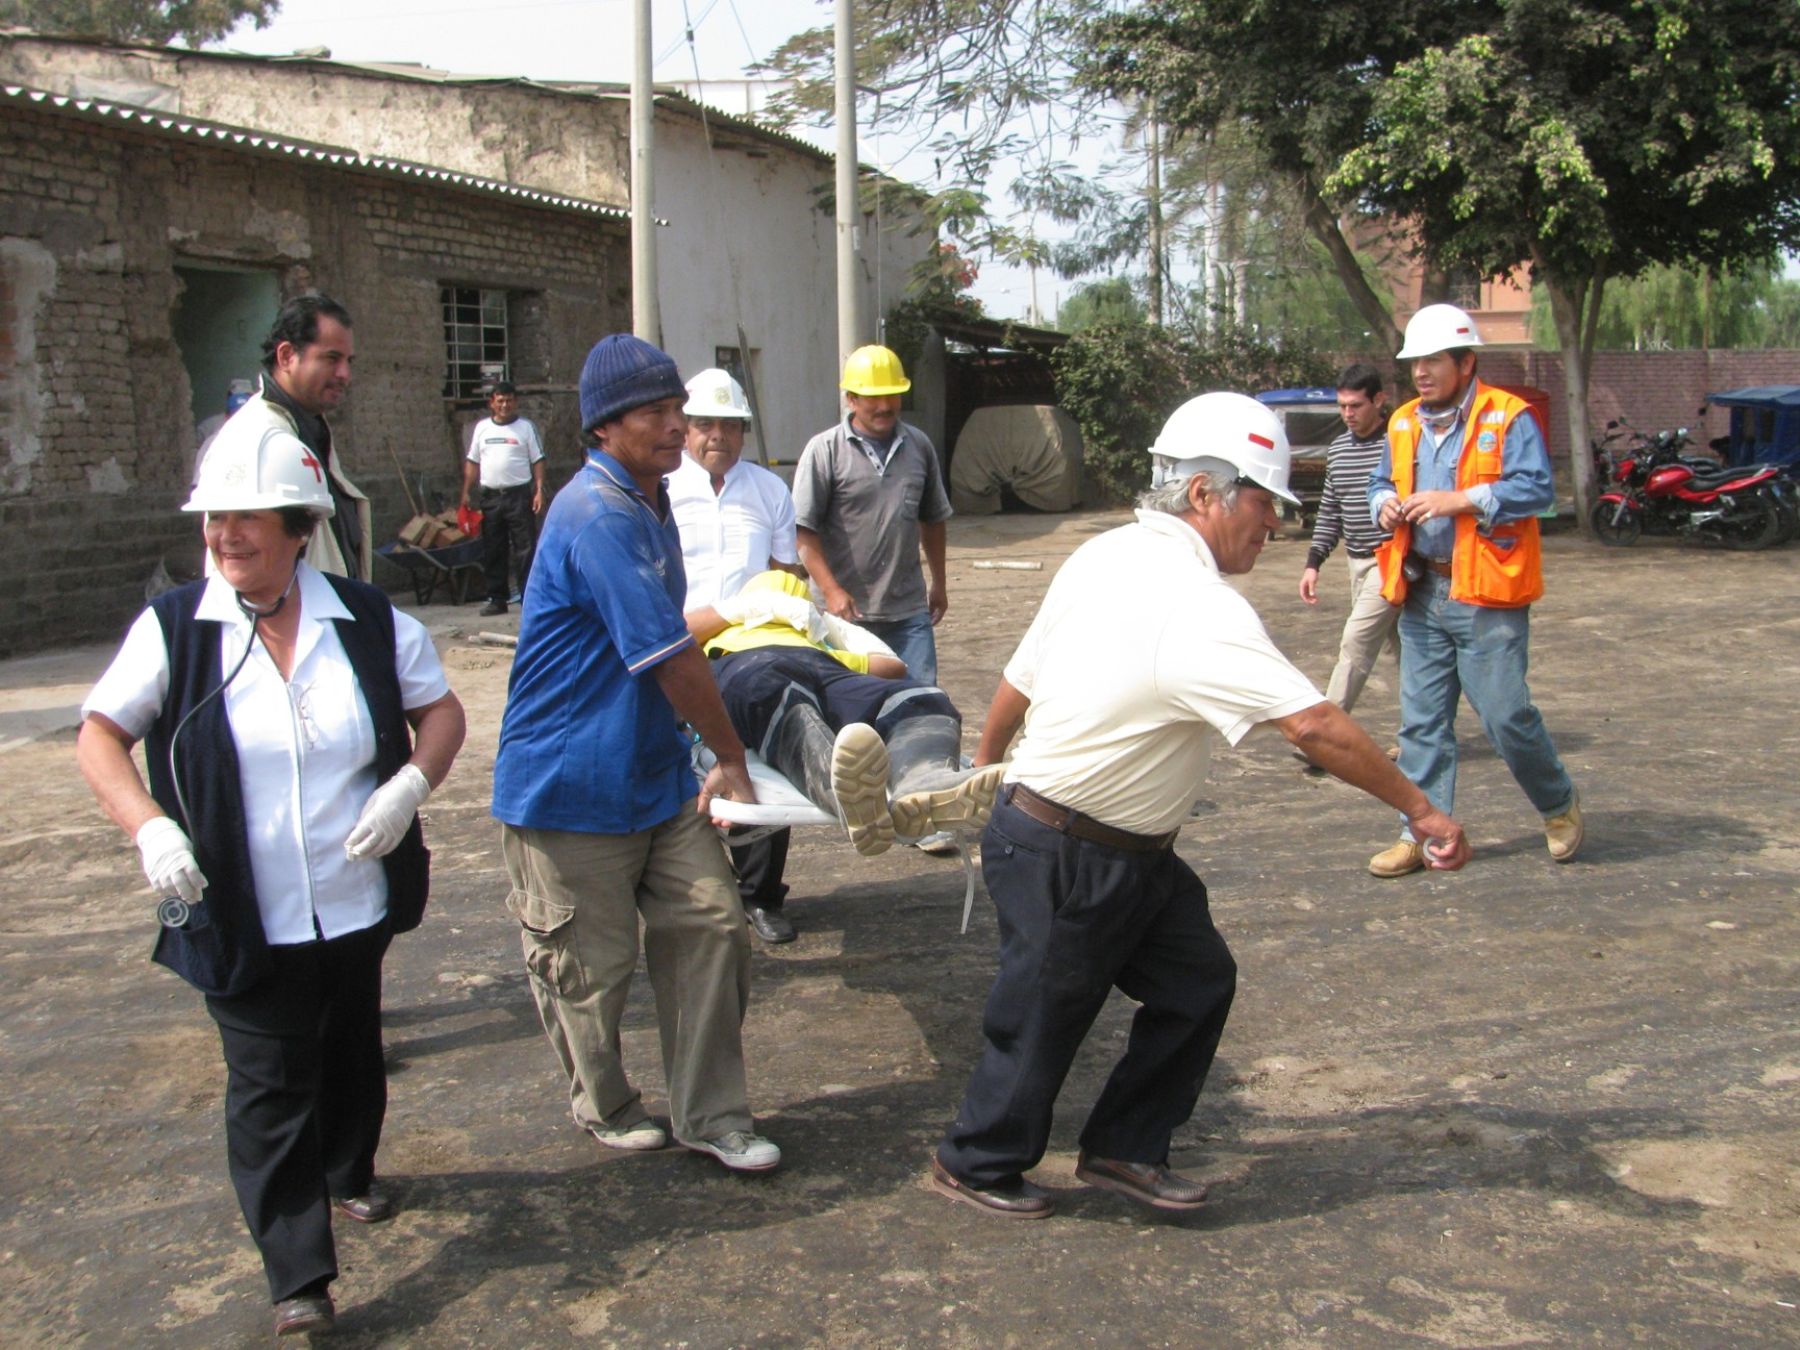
<point x="830" y="707"/>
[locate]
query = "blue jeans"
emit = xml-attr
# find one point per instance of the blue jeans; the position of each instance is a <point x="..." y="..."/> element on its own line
<point x="1447" y="649"/>
<point x="912" y="642"/>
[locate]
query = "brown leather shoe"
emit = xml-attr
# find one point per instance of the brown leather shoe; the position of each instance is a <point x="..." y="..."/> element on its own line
<point x="1148" y="1183"/>
<point x="1023" y="1201"/>
<point x="374" y="1207"/>
<point x="1563" y="833"/>
<point x="308" y="1313"/>
<point x="1405" y="855"/>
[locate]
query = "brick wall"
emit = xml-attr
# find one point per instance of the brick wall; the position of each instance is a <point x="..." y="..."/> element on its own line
<point x="1650" y="390"/>
<point x="95" y="408"/>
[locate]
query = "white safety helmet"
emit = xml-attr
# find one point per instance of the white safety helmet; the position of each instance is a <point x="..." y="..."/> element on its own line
<point x="252" y="466"/>
<point x="1221" y="431"/>
<point x="1438" y="328"/>
<point x="713" y="393"/>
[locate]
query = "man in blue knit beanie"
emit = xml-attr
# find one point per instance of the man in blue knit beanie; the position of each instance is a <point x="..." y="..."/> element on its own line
<point x="600" y="822"/>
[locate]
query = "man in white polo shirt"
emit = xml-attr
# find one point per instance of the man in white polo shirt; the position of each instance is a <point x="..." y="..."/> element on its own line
<point x="506" y="454"/>
<point x="736" y="520"/>
<point x="1138" y="656"/>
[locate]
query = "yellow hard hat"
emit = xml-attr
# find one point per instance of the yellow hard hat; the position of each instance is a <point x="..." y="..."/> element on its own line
<point x="874" y="370"/>
<point x="782" y="583"/>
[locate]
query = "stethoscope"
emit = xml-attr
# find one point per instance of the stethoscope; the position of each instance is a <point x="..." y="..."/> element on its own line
<point x="172" y="911"/>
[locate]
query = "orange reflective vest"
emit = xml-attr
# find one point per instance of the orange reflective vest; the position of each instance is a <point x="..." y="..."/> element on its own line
<point x="1503" y="568"/>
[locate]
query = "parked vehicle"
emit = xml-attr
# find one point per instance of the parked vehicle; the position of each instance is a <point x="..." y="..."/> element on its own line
<point x="1653" y="486"/>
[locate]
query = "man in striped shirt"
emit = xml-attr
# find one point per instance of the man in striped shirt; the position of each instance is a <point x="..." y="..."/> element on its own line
<point x="1343" y="514"/>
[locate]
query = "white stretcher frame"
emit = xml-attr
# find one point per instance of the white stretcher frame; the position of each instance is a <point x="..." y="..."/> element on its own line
<point x="780" y="805"/>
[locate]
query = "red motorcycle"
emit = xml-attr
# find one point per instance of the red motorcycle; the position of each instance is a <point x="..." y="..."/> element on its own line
<point x="1652" y="487"/>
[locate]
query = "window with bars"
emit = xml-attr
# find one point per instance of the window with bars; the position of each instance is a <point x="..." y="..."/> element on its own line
<point x="475" y="346"/>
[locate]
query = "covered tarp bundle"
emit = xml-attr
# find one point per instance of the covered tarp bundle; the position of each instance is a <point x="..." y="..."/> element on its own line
<point x="1030" y="452"/>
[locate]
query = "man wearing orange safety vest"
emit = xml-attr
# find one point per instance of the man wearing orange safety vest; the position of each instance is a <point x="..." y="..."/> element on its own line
<point x="1460" y="485"/>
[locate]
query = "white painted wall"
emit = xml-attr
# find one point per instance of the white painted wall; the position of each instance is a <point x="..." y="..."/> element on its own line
<point x="747" y="243"/>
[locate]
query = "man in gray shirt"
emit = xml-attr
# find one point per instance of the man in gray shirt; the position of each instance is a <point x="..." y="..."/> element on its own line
<point x="868" y="494"/>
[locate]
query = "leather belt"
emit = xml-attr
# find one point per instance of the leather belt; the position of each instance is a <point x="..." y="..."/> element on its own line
<point x="1431" y="564"/>
<point x="1078" y="826"/>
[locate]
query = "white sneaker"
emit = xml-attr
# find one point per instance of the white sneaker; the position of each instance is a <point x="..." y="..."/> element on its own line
<point x="646" y="1134"/>
<point x="740" y="1151"/>
<point x="940" y="845"/>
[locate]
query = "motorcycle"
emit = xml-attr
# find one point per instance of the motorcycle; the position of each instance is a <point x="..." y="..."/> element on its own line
<point x="1652" y="487"/>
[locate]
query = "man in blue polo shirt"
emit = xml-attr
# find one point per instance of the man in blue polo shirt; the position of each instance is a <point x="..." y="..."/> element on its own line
<point x="599" y="819"/>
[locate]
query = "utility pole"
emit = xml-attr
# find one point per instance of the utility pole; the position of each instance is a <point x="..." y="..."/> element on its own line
<point x="849" y="203"/>
<point x="646" y="313"/>
<point x="1154" y="132"/>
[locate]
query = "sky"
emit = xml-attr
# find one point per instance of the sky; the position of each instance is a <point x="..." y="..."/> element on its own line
<point x="590" y="40"/>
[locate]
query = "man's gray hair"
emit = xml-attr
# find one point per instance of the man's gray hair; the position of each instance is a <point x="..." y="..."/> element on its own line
<point x="1171" y="496"/>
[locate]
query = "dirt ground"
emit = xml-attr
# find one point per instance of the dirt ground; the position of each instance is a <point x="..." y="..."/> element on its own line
<point x="1520" y="1105"/>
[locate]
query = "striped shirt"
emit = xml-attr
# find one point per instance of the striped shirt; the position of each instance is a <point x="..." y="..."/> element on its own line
<point x="1343" y="504"/>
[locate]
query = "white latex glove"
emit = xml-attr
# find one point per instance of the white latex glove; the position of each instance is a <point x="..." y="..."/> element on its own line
<point x="848" y="637"/>
<point x="730" y="607"/>
<point x="798" y="614"/>
<point x="387" y="813"/>
<point x="169" y="859"/>
<point x="757" y="610"/>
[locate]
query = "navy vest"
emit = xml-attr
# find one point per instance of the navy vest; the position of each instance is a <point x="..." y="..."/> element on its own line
<point x="227" y="952"/>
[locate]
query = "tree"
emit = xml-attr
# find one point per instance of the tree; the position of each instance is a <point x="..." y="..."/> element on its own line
<point x="194" y="22"/>
<point x="977" y="83"/>
<point x="1586" y="138"/>
<point x="1289" y="82"/>
<point x="1593" y="139"/>
<point x="1749" y="306"/>
<point x="1119" y="380"/>
<point x="1098" y="302"/>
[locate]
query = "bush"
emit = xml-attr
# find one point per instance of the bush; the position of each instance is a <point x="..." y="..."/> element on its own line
<point x="1119" y="381"/>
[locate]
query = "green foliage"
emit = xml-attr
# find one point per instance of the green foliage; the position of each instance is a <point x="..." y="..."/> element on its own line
<point x="979" y="83"/>
<point x="1121" y="380"/>
<point x="909" y="321"/>
<point x="193" y="22"/>
<point x="1100" y="302"/>
<point x="1593" y="138"/>
<point x="1687" y="307"/>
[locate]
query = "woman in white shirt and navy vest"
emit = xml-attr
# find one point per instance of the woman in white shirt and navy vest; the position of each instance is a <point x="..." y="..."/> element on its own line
<point x="293" y="724"/>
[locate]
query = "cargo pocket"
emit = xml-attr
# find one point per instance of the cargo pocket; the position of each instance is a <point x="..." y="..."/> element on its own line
<point x="544" y="927"/>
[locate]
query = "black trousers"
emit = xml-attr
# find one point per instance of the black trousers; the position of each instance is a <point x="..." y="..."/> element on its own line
<point x="305" y="1096"/>
<point x="1076" y="919"/>
<point x="508" y="532"/>
<point x="759" y="868"/>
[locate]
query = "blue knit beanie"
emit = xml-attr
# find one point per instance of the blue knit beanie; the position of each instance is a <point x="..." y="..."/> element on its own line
<point x="625" y="372"/>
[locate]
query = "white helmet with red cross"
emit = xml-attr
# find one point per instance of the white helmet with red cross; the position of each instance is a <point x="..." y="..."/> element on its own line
<point x="252" y="466"/>
<point x="1222" y="431"/>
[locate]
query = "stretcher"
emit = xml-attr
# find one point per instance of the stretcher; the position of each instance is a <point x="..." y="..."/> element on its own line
<point x="779" y="805"/>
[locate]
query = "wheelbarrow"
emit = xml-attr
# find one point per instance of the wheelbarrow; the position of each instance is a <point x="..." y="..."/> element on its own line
<point x="455" y="564"/>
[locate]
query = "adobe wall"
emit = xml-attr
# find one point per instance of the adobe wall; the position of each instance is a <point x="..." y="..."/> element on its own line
<point x="95" y="408"/>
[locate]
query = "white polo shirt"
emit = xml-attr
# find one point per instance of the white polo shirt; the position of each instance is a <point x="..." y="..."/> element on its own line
<point x="729" y="536"/>
<point x="505" y="453"/>
<point x="1140" y="653"/>
<point x="305" y="746"/>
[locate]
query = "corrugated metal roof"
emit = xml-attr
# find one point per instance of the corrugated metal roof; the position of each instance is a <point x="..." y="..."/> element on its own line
<point x="268" y="143"/>
<point x="671" y="96"/>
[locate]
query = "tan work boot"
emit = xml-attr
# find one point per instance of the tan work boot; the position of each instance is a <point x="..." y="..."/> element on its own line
<point x="956" y="799"/>
<point x="1563" y="833"/>
<point x="859" y="781"/>
<point x="1405" y="855"/>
